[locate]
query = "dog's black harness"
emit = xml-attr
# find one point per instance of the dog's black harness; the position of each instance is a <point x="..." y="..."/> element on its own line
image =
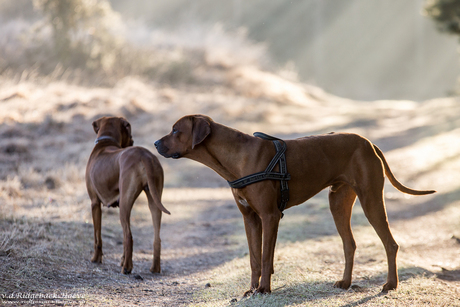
<point x="283" y="176"/>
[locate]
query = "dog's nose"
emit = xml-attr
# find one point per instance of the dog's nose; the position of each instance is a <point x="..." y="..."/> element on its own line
<point x="157" y="143"/>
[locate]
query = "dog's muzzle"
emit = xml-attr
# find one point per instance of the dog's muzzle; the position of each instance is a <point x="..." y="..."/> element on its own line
<point x="162" y="150"/>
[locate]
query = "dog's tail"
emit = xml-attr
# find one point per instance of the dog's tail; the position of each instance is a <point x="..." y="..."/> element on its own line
<point x="398" y="185"/>
<point x="152" y="184"/>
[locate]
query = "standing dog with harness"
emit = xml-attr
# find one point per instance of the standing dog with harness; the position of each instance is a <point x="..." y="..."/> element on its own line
<point x="116" y="173"/>
<point x="297" y="170"/>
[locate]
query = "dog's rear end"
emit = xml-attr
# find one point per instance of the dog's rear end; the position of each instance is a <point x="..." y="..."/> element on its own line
<point x="117" y="173"/>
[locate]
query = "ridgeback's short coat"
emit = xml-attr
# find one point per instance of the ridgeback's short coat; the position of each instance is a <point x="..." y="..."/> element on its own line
<point x="116" y="174"/>
<point x="347" y="163"/>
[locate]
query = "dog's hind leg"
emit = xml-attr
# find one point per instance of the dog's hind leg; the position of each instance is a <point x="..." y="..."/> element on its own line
<point x="96" y="214"/>
<point x="156" y="219"/>
<point x="373" y="206"/>
<point x="341" y="201"/>
<point x="129" y="191"/>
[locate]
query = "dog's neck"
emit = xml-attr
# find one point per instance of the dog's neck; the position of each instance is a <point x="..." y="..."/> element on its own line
<point x="229" y="157"/>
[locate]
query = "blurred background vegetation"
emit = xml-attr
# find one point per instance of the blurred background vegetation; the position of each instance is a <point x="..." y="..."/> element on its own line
<point x="446" y="13"/>
<point x="359" y="49"/>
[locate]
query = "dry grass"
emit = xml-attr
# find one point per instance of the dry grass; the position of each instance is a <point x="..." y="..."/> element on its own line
<point x="46" y="232"/>
<point x="309" y="260"/>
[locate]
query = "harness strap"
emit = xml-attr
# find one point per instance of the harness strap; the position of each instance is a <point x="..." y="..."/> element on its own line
<point x="284" y="183"/>
<point x="260" y="176"/>
<point x="283" y="176"/>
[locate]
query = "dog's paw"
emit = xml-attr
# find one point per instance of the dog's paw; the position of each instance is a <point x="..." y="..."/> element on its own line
<point x="97" y="258"/>
<point x="155" y="269"/>
<point x="126" y="271"/>
<point x="248" y="293"/>
<point x="342" y="284"/>
<point x="389" y="286"/>
<point x="261" y="291"/>
<point x="253" y="292"/>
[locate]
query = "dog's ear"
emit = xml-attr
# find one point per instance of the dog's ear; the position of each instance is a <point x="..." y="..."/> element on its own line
<point x="201" y="129"/>
<point x="127" y="126"/>
<point x="96" y="125"/>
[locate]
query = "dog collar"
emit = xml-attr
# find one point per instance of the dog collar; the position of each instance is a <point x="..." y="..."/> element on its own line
<point x="105" y="137"/>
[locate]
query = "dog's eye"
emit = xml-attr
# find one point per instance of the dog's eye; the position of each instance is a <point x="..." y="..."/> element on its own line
<point x="174" y="131"/>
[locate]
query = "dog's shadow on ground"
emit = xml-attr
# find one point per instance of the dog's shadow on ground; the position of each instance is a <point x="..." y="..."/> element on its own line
<point x="201" y="241"/>
<point x="311" y="292"/>
<point x="449" y="275"/>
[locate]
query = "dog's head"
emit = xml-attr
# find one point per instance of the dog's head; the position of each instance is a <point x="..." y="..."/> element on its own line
<point x="115" y="129"/>
<point x="186" y="133"/>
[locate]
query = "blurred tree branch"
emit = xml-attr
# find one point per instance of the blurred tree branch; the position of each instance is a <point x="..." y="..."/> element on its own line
<point x="446" y="14"/>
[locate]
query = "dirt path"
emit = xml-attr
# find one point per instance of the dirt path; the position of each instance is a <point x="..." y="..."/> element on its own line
<point x="198" y="237"/>
<point x="202" y="239"/>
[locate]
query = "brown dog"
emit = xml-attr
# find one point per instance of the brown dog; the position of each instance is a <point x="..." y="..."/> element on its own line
<point x="116" y="174"/>
<point x="347" y="163"/>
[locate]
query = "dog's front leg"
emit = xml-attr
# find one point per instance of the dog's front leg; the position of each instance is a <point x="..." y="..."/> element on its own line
<point x="253" y="227"/>
<point x="270" y="223"/>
